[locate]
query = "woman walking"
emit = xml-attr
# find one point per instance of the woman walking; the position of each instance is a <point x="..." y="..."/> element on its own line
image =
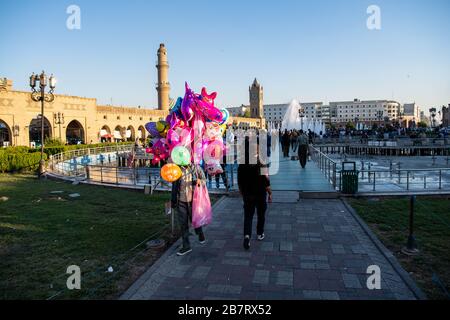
<point x="254" y="186"/>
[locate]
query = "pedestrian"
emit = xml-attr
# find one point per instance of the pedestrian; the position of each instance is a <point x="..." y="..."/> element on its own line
<point x="182" y="195"/>
<point x="294" y="137"/>
<point x="254" y="186"/>
<point x="285" y="144"/>
<point x="302" y="142"/>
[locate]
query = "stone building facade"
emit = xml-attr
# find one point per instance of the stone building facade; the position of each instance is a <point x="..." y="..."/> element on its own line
<point x="81" y="120"/>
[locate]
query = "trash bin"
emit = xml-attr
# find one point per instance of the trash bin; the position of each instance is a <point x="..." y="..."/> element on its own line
<point x="349" y="178"/>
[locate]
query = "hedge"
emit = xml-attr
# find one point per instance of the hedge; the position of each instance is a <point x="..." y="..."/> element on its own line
<point x="13" y="159"/>
<point x="19" y="160"/>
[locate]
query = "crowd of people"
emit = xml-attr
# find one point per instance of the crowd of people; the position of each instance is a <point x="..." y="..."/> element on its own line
<point x="297" y="141"/>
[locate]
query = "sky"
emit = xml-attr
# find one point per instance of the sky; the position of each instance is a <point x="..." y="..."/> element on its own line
<point x="315" y="50"/>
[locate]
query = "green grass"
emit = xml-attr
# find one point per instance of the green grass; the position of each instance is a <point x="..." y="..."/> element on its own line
<point x="41" y="234"/>
<point x="389" y="218"/>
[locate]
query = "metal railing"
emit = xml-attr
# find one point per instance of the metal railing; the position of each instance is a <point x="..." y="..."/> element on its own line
<point x="101" y="165"/>
<point x="379" y="142"/>
<point x="327" y="165"/>
<point x="388" y="180"/>
<point x="69" y="163"/>
<point x="395" y="180"/>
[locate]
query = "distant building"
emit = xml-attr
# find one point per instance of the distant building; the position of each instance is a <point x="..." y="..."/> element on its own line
<point x="368" y="111"/>
<point x="446" y="116"/>
<point x="424" y="118"/>
<point x="410" y="115"/>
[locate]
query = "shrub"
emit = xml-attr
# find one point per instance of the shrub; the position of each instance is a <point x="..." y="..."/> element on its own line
<point x="19" y="159"/>
<point x="13" y="159"/>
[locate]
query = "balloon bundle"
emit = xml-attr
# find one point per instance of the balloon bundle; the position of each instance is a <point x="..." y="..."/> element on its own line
<point x="191" y="133"/>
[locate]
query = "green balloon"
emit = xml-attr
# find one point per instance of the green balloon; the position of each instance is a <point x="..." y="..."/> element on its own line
<point x="181" y="156"/>
<point x="161" y="126"/>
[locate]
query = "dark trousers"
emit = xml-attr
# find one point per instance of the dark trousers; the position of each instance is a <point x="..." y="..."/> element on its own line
<point x="184" y="217"/>
<point x="217" y="177"/>
<point x="250" y="205"/>
<point x="302" y="154"/>
<point x="286" y="150"/>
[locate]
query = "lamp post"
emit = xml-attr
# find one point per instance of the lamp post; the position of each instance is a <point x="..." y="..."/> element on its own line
<point x="42" y="97"/>
<point x="433" y="117"/>
<point x="301" y="113"/>
<point x="59" y="120"/>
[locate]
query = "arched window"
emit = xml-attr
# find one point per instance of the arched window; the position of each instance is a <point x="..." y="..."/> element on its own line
<point x="5" y="134"/>
<point x="74" y="133"/>
<point x="35" y="131"/>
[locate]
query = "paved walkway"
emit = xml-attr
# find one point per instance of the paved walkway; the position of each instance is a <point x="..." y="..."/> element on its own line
<point x="291" y="176"/>
<point x="314" y="249"/>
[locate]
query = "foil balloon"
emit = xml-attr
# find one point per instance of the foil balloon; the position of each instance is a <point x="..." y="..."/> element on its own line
<point x="171" y="172"/>
<point x="151" y="128"/>
<point x="187" y="104"/>
<point x="213" y="131"/>
<point x="209" y="111"/>
<point x="180" y="136"/>
<point x="208" y="97"/>
<point x="181" y="156"/>
<point x="161" y="126"/>
<point x="177" y="107"/>
<point x="225" y="115"/>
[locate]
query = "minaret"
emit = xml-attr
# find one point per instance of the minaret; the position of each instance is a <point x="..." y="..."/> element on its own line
<point x="163" y="86"/>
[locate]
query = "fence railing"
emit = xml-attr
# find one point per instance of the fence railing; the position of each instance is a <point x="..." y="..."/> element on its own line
<point x="67" y="163"/>
<point x="392" y="180"/>
<point x="327" y="165"/>
<point x="101" y="165"/>
<point x="396" y="142"/>
<point x="384" y="180"/>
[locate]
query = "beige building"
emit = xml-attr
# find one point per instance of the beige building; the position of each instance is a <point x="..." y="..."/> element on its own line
<point x="81" y="120"/>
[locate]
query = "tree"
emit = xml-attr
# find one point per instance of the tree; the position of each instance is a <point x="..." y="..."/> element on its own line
<point x="247" y="113"/>
<point x="350" y="126"/>
<point x="422" y="124"/>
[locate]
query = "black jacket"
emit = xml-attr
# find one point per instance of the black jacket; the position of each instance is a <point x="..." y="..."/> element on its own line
<point x="251" y="182"/>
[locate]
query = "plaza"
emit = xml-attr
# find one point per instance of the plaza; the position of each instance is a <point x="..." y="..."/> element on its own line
<point x="138" y="141"/>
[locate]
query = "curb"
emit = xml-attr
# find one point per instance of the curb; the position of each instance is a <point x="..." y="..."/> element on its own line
<point x="147" y="274"/>
<point x="410" y="283"/>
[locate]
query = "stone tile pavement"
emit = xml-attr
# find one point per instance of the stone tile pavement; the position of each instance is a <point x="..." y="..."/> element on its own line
<point x="314" y="249"/>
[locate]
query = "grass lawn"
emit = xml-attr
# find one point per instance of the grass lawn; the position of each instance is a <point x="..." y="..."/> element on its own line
<point x="41" y="234"/>
<point x="389" y="218"/>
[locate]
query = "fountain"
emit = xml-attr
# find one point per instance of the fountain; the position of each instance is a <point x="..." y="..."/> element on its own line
<point x="292" y="120"/>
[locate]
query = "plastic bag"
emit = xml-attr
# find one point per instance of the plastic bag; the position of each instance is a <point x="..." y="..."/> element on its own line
<point x="201" y="206"/>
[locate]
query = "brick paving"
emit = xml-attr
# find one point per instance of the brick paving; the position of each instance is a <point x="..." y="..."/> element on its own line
<point x="314" y="249"/>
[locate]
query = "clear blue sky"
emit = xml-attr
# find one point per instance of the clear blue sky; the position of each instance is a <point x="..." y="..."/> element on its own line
<point x="317" y="50"/>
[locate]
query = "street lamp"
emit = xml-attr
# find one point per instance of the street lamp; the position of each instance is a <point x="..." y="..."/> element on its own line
<point x="301" y="113"/>
<point x="400" y="117"/>
<point x="433" y="116"/>
<point x="59" y="120"/>
<point x="40" y="95"/>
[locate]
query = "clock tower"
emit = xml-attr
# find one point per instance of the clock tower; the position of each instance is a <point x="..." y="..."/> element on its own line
<point x="256" y="100"/>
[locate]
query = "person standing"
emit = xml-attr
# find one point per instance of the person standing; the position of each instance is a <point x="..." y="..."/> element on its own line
<point x="302" y="142"/>
<point x="181" y="201"/>
<point x="254" y="186"/>
<point x="285" y="144"/>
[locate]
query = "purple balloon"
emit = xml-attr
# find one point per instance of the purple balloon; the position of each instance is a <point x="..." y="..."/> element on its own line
<point x="151" y="128"/>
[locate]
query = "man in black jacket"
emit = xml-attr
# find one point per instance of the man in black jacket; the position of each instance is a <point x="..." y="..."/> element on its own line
<point x="254" y="185"/>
